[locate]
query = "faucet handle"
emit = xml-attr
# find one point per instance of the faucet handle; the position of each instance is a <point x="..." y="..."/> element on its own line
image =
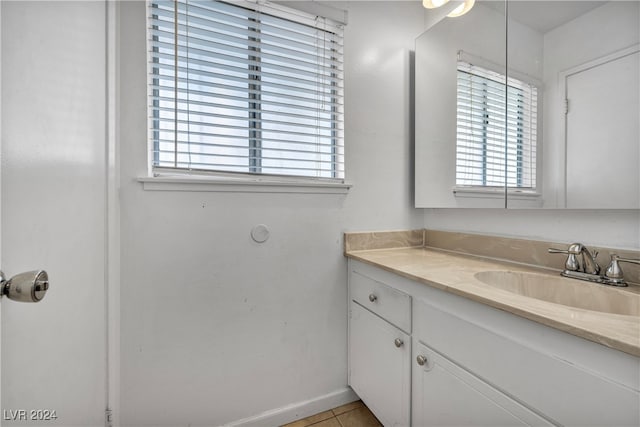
<point x="632" y="261"/>
<point x="558" y="251"/>
<point x="576" y="248"/>
<point x="571" y="263"/>
<point x="614" y="273"/>
<point x="573" y="249"/>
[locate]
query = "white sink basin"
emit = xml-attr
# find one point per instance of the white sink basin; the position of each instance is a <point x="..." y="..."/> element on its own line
<point x="569" y="292"/>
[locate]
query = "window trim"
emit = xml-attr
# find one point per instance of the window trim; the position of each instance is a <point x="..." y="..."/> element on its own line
<point x="241" y="184"/>
<point x="159" y="178"/>
<point x="494" y="192"/>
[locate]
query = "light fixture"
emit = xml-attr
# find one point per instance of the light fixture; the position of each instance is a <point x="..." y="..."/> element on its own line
<point x="462" y="9"/>
<point x="432" y="4"/>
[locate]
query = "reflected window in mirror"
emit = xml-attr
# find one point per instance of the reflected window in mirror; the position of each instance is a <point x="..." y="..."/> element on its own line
<point x="485" y="112"/>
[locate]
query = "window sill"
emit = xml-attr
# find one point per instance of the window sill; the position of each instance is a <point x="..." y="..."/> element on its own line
<point x="241" y="185"/>
<point x="498" y="193"/>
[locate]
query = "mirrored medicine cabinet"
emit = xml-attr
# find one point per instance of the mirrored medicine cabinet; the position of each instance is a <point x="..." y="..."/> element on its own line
<point x="530" y="104"/>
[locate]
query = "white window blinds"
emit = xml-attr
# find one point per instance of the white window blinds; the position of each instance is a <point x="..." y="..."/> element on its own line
<point x="243" y="87"/>
<point x="496" y="132"/>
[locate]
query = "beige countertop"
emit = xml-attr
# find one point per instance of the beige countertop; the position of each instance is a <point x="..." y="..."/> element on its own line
<point x="454" y="273"/>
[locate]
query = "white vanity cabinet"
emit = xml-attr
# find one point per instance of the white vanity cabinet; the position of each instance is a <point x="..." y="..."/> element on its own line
<point x="479" y="366"/>
<point x="380" y="352"/>
<point x="445" y="394"/>
<point x="380" y="366"/>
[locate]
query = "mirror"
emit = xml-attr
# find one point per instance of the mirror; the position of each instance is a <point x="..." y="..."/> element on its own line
<point x="480" y="36"/>
<point x="583" y="153"/>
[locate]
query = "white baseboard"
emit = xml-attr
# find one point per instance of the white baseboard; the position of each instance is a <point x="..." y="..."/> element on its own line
<point x="296" y="411"/>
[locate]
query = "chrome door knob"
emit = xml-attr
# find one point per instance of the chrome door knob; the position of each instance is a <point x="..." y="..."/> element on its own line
<point x="398" y="342"/>
<point x="373" y="298"/>
<point x="25" y="287"/>
<point x="421" y="360"/>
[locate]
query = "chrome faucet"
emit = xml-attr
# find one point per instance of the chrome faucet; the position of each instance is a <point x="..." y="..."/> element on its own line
<point x="587" y="263"/>
<point x="581" y="264"/>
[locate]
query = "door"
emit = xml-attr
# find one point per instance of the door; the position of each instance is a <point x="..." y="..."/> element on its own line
<point x="379" y="366"/>
<point x="602" y="121"/>
<point x="445" y="394"/>
<point x="53" y="361"/>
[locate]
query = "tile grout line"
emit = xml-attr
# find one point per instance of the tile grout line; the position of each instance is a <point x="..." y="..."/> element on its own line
<point x="335" y="416"/>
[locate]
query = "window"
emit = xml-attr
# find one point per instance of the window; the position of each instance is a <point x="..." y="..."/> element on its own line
<point x="482" y="157"/>
<point x="244" y="87"/>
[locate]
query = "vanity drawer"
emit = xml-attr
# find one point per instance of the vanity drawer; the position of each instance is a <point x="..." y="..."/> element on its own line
<point x="392" y="305"/>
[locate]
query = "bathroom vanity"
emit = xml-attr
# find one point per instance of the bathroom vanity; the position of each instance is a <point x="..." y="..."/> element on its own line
<point x="430" y="344"/>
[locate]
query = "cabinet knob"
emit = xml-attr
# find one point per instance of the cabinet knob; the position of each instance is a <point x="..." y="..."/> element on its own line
<point x="373" y="298"/>
<point x="398" y="342"/>
<point x="421" y="360"/>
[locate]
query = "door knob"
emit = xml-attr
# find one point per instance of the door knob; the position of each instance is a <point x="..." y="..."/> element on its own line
<point x="421" y="360"/>
<point x="25" y="287"/>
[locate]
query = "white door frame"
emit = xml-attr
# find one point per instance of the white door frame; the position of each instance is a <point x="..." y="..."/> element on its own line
<point x="1" y="207"/>
<point x="112" y="226"/>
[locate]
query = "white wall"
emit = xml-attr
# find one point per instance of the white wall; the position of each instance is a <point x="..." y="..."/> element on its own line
<point x="379" y="137"/>
<point x="53" y="218"/>
<point x="215" y="327"/>
<point x="608" y="228"/>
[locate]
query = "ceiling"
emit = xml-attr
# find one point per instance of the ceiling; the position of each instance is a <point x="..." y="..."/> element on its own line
<point x="544" y="16"/>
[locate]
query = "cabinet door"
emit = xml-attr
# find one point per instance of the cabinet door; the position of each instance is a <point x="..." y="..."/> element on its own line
<point x="444" y="394"/>
<point x="379" y="366"/>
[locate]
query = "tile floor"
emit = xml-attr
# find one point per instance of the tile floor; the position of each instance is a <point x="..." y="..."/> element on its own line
<point x="350" y="415"/>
